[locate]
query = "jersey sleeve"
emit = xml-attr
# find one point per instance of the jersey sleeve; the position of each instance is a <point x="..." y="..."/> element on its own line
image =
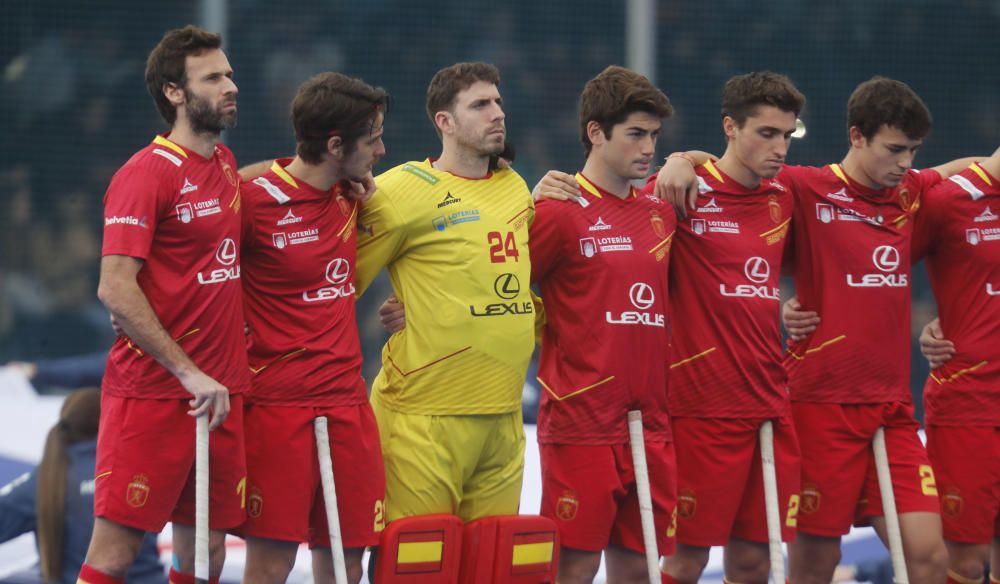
<point x="927" y="179"/>
<point x="134" y="205"/>
<point x="381" y="237"/>
<point x="546" y="239"/>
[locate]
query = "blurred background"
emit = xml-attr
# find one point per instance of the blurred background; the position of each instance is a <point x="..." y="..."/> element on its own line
<point x="73" y="105"/>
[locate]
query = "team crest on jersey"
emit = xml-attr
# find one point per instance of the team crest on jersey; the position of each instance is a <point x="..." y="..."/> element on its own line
<point x="810" y="499"/>
<point x="230" y="175"/>
<point x="567" y="506"/>
<point x="345" y="206"/>
<point x="138" y="491"/>
<point x="952" y="503"/>
<point x="657" y="222"/>
<point x="255" y="503"/>
<point x="687" y="504"/>
<point x="774" y="208"/>
<point x="904" y="198"/>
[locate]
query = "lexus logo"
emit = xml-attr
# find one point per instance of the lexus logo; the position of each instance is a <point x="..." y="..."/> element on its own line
<point x="886" y="258"/>
<point x="226" y="254"/>
<point x="757" y="270"/>
<point x="338" y="270"/>
<point x="507" y="286"/>
<point x="641" y="295"/>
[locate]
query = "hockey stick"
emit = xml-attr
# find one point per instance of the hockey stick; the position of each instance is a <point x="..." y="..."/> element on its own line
<point x="771" y="506"/>
<point x="330" y="499"/>
<point x="638" y="443"/>
<point x="201" y="561"/>
<point x="899" y="575"/>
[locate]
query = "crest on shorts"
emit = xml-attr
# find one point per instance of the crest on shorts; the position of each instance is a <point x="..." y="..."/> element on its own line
<point x="774" y="208"/>
<point x="138" y="491"/>
<point x="567" y="506"/>
<point x="255" y="503"/>
<point x="657" y="222"/>
<point x="952" y="503"/>
<point x="810" y="499"/>
<point x="687" y="504"/>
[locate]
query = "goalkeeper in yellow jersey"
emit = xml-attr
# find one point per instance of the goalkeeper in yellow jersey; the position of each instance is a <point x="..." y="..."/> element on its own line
<point x="454" y="236"/>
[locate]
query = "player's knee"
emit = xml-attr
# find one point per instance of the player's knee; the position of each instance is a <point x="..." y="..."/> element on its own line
<point x="929" y="562"/>
<point x="748" y="568"/>
<point x="968" y="561"/>
<point x="687" y="564"/>
<point x="813" y="559"/>
<point x="113" y="548"/>
<point x="216" y="552"/>
<point x="578" y="566"/>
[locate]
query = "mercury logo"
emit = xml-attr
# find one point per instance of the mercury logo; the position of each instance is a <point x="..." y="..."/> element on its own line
<point x="886" y="258"/>
<point x="757" y="270"/>
<point x="641" y="295"/>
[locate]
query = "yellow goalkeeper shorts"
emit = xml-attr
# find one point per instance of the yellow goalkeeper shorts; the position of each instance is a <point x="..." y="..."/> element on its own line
<point x="469" y="466"/>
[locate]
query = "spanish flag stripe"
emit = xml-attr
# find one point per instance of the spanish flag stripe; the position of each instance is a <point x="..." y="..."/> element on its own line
<point x="532" y="553"/>
<point x="588" y="186"/>
<point x="161" y="141"/>
<point x="539" y="537"/>
<point x="419" y="552"/>
<point x="283" y="174"/>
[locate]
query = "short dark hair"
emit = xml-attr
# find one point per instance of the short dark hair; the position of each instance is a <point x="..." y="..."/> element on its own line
<point x="167" y="61"/>
<point x="881" y="101"/>
<point x="450" y="81"/>
<point x="743" y="94"/>
<point x="613" y="95"/>
<point x="333" y="104"/>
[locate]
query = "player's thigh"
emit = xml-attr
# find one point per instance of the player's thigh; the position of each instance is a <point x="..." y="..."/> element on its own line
<point x="494" y="486"/>
<point x="359" y="478"/>
<point x="913" y="483"/>
<point x="662" y="470"/>
<point x="835" y="446"/>
<point x="966" y="463"/>
<point x="714" y="458"/>
<point x="751" y="519"/>
<point x="581" y="487"/>
<point x="227" y="475"/>
<point x="422" y="474"/>
<point x="282" y="471"/>
<point x="140" y="475"/>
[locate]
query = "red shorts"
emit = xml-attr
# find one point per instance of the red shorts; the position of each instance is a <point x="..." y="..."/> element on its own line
<point x="285" y="495"/>
<point x="720" y="480"/>
<point x="839" y="483"/>
<point x="590" y="492"/>
<point x="145" y="464"/>
<point x="966" y="462"/>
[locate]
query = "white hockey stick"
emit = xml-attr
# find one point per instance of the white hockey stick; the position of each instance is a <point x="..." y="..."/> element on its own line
<point x="201" y="562"/>
<point x="330" y="499"/>
<point x="771" y="506"/>
<point x="638" y="444"/>
<point x="899" y="575"/>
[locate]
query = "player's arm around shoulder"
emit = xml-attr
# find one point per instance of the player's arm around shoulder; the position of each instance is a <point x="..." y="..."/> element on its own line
<point x="383" y="228"/>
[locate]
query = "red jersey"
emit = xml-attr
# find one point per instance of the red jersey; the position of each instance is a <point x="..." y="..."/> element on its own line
<point x="179" y="213"/>
<point x="852" y="250"/>
<point x="299" y="250"/>
<point x="601" y="266"/>
<point x="726" y="336"/>
<point x="959" y="229"/>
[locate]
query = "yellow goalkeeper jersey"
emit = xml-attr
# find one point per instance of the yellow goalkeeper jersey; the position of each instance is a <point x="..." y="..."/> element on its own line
<point x="457" y="254"/>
